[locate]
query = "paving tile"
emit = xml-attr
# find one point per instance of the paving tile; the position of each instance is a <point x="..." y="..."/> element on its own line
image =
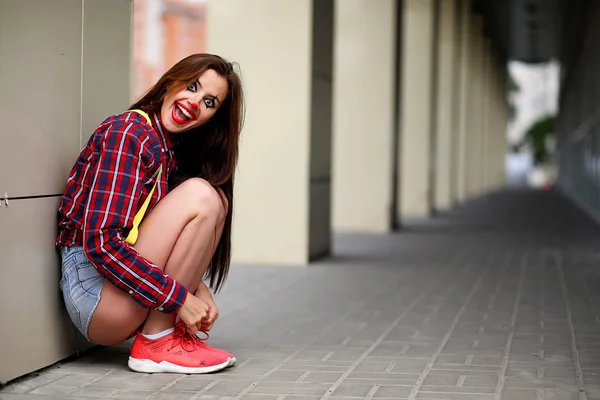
<point x="54" y="390"/>
<point x="131" y="394"/>
<point x="93" y="392"/>
<point x="352" y="389"/>
<point x="287" y="388"/>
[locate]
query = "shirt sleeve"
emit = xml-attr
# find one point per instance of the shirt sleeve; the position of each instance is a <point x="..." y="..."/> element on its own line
<point x="117" y="183"/>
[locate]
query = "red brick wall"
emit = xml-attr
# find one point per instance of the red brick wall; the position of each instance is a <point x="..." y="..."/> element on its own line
<point x="183" y="31"/>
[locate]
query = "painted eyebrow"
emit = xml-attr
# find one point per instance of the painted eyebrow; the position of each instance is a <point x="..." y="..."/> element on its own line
<point x="212" y="96"/>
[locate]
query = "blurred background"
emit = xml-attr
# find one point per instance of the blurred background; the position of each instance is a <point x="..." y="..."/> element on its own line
<point x="168" y="30"/>
<point x="164" y="32"/>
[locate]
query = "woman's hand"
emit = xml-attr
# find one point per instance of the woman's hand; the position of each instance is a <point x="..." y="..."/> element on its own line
<point x="203" y="293"/>
<point x="193" y="313"/>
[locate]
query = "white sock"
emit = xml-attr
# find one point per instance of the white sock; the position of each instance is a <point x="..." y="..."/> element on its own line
<point x="154" y="336"/>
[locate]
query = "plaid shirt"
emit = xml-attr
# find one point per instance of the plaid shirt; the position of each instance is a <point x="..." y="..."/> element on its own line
<point x="111" y="178"/>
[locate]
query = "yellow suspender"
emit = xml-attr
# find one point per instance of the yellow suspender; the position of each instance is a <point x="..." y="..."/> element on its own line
<point x="133" y="234"/>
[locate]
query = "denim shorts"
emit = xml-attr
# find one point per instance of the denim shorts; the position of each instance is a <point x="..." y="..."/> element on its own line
<point x="81" y="285"/>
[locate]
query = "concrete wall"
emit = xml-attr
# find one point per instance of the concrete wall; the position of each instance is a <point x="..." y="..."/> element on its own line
<point x="62" y="71"/>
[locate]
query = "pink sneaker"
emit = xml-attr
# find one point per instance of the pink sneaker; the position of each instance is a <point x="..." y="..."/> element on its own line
<point x="232" y="359"/>
<point x="178" y="352"/>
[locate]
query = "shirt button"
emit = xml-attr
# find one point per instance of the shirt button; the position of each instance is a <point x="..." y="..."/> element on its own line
<point x="131" y="292"/>
<point x="160" y="309"/>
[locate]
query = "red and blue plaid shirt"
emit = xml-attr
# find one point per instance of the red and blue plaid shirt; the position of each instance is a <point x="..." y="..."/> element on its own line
<point x="112" y="176"/>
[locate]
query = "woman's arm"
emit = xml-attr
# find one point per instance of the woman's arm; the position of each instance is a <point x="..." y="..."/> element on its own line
<point x="116" y="191"/>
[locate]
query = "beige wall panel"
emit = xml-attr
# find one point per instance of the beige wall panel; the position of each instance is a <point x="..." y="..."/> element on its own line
<point x="107" y="55"/>
<point x="41" y="103"/>
<point x="40" y="91"/>
<point x="32" y="313"/>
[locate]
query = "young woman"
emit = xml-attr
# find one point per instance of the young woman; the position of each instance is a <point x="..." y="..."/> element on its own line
<point x="146" y="218"/>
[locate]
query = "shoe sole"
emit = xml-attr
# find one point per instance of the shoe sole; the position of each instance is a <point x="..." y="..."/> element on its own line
<point x="149" y="366"/>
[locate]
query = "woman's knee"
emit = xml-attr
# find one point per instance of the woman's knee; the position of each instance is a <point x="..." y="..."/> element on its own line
<point x="206" y="201"/>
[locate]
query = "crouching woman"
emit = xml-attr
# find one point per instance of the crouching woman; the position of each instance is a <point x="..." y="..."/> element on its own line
<point x="145" y="219"/>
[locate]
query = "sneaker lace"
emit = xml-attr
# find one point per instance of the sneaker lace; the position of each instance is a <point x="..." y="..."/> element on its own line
<point x="183" y="337"/>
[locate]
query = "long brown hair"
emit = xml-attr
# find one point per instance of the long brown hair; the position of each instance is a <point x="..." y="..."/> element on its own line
<point x="209" y="151"/>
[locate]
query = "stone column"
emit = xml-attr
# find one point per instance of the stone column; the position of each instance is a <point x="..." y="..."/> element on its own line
<point x="416" y="109"/>
<point x="283" y="181"/>
<point x="476" y="91"/>
<point x="463" y="112"/>
<point x="363" y="115"/>
<point x="445" y="134"/>
<point x="489" y="148"/>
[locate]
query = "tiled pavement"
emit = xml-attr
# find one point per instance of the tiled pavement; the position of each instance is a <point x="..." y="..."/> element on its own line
<point x="495" y="300"/>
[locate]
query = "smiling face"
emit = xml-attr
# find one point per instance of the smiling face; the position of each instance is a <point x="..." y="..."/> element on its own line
<point x="195" y="104"/>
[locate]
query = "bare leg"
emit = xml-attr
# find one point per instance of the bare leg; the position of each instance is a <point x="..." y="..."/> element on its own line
<point x="178" y="236"/>
<point x="201" y="237"/>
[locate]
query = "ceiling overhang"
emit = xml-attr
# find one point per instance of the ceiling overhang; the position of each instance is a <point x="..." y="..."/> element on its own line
<point x="522" y="30"/>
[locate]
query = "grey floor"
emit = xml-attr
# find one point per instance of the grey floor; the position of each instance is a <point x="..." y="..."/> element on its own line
<point x="494" y="300"/>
